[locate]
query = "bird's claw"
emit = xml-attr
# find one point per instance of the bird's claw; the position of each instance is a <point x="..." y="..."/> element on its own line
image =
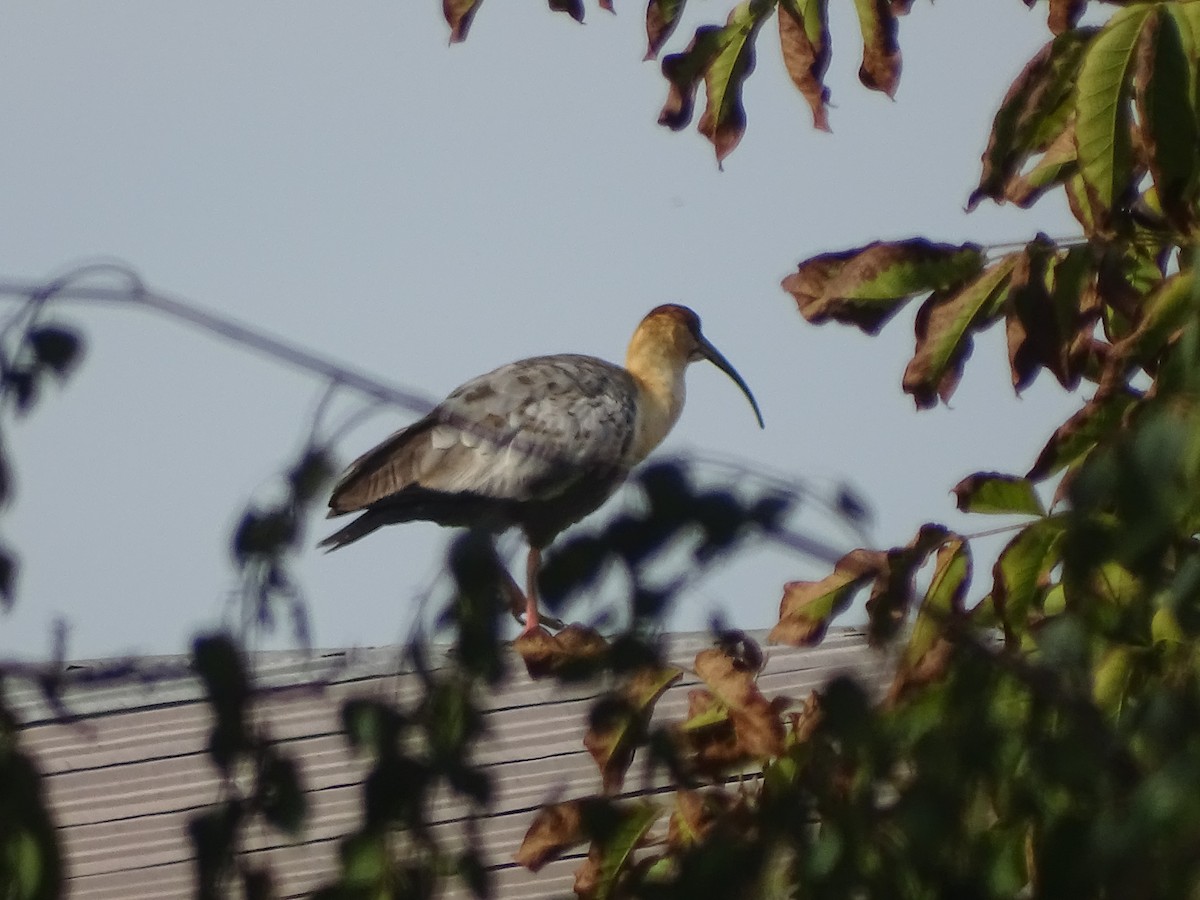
<point x="548" y="621"/>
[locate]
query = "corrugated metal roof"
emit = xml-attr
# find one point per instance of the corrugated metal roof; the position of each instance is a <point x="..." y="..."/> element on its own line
<point x="124" y="777"/>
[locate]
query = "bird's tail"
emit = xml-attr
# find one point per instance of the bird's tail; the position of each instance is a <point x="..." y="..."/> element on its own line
<point x="360" y="527"/>
<point x="415" y="503"/>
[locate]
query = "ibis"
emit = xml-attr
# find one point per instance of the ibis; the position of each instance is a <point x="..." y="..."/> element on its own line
<point x="536" y="444"/>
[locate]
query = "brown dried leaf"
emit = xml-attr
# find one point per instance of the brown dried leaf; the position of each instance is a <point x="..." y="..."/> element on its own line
<point x="683" y="72"/>
<point x="662" y="16"/>
<point x="944" y="327"/>
<point x="880" y="70"/>
<point x="1055" y="167"/>
<point x="724" y="119"/>
<point x="892" y="595"/>
<point x="617" y="831"/>
<point x="808" y="607"/>
<point x="1032" y="115"/>
<point x="708" y="736"/>
<point x="866" y="286"/>
<point x="805" y="722"/>
<point x="694" y="816"/>
<point x="573" y="8"/>
<point x="928" y="653"/>
<point x="931" y="666"/>
<point x="618" y="722"/>
<point x="459" y="14"/>
<point x="745" y="650"/>
<point x="1064" y="14"/>
<point x="1034" y="338"/>
<point x="576" y="651"/>
<point x="587" y="876"/>
<point x="1075" y="438"/>
<point x="758" y="727"/>
<point x="804" y="40"/>
<point x="555" y="828"/>
<point x="700" y="704"/>
<point x="807" y="284"/>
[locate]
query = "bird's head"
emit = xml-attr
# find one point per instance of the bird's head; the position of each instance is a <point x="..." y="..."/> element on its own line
<point x="670" y="336"/>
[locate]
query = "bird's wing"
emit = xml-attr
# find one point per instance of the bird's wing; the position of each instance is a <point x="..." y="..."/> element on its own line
<point x="525" y="431"/>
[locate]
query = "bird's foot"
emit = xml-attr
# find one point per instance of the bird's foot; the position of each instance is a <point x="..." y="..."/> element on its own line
<point x="537" y="623"/>
<point x="531" y="628"/>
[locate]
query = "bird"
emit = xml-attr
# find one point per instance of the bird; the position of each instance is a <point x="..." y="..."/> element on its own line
<point x="536" y="444"/>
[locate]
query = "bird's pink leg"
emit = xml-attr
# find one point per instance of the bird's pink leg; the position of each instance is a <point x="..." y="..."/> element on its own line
<point x="516" y="597"/>
<point x="532" y="619"/>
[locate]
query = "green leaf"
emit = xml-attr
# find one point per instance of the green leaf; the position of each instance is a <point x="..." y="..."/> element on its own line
<point x="478" y="878"/>
<point x="662" y="17"/>
<point x="618" y="845"/>
<point x="214" y="839"/>
<point x="280" y="794"/>
<point x="459" y="14"/>
<point x="1103" y="115"/>
<point x="373" y="725"/>
<point x="219" y="665"/>
<point x="23" y="383"/>
<point x="1165" y="311"/>
<point x="1032" y="115"/>
<point x="683" y="72"/>
<point x="30" y="852"/>
<point x="925" y="655"/>
<point x="1080" y="202"/>
<point x="992" y="492"/>
<point x="866" y="286"/>
<point x="1078" y="436"/>
<point x="1167" y="116"/>
<point x="364" y="859"/>
<point x="1020" y="569"/>
<point x="945" y="323"/>
<point x="880" y="69"/>
<point x="1111" y="677"/>
<point x="808" y="607"/>
<point x="264" y="533"/>
<point x="724" y="119"/>
<point x="310" y="475"/>
<point x="804" y="41"/>
<point x="1057" y="164"/>
<point x="59" y="349"/>
<point x="951" y="577"/>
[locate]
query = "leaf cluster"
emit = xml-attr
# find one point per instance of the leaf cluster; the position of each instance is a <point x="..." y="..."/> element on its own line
<point x="723" y="56"/>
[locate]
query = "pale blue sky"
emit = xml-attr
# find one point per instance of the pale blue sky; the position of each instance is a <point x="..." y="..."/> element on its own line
<point x="337" y="175"/>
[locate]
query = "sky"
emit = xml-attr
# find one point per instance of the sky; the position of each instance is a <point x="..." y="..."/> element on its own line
<point x="338" y="176"/>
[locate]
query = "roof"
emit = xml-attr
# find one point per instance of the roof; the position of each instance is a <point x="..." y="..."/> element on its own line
<point x="124" y="777"/>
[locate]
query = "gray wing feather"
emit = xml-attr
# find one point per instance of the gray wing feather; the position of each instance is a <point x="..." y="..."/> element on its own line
<point x="521" y="431"/>
<point x="526" y="431"/>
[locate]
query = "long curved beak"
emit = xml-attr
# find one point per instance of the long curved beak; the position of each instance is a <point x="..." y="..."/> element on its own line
<point x="713" y="355"/>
